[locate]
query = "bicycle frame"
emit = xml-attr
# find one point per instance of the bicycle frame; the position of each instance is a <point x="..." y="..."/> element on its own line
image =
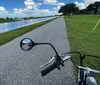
<point x="84" y="72"/>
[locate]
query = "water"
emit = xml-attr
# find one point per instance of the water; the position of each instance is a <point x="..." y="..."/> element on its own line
<point x="4" y="27"/>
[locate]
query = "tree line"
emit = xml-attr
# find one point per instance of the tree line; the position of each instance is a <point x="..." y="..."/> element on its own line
<point x="71" y="8"/>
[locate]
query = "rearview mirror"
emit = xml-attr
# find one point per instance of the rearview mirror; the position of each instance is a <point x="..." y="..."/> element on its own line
<point x="27" y="44"/>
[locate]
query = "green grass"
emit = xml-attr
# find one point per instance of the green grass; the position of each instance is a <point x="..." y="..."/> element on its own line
<point x="83" y="39"/>
<point x="8" y="36"/>
<point x="6" y="20"/>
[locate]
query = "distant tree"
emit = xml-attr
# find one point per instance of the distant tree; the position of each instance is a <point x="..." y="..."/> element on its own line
<point x="63" y="10"/>
<point x="93" y="8"/>
<point x="1" y="18"/>
<point x="11" y="18"/>
<point x="90" y="9"/>
<point x="82" y="11"/>
<point x="25" y="18"/>
<point x="97" y="7"/>
<point x="7" y="18"/>
<point x="69" y="9"/>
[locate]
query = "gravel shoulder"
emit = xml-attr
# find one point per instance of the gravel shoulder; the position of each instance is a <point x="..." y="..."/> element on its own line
<point x="18" y="67"/>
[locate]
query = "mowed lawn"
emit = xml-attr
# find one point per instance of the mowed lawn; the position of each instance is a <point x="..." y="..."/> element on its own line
<point x="83" y="39"/>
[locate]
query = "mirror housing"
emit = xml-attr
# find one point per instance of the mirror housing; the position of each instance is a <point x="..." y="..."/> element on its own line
<point x="27" y="44"/>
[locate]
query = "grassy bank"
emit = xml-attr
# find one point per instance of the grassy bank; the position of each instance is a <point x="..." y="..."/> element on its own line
<point x="8" y="36"/>
<point x="83" y="39"/>
<point x="6" y="20"/>
<point x="28" y="18"/>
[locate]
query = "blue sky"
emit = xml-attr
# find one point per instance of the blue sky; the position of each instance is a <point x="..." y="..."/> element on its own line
<point x="25" y="8"/>
<point x="10" y="4"/>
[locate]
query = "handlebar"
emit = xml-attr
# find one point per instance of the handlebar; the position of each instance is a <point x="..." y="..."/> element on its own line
<point x="48" y="69"/>
<point x="52" y="66"/>
<point x="58" y="60"/>
<point x="88" y="69"/>
<point x="65" y="58"/>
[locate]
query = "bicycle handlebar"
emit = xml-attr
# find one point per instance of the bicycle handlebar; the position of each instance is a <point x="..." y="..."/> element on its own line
<point x="65" y="58"/>
<point x="52" y="66"/>
<point x="88" y="69"/>
<point x="48" y="69"/>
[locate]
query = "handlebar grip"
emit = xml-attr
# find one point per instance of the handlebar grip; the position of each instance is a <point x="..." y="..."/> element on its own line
<point x="48" y="69"/>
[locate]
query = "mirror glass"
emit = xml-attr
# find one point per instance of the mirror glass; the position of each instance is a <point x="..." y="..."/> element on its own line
<point x="27" y="44"/>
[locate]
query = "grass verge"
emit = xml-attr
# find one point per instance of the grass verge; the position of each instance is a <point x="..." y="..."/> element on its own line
<point x="84" y="40"/>
<point x="8" y="36"/>
<point x="6" y="20"/>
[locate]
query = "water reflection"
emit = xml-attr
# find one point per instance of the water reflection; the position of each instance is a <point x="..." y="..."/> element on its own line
<point x="4" y="27"/>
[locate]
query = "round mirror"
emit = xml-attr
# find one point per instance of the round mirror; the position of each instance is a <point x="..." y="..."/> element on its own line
<point x="27" y="44"/>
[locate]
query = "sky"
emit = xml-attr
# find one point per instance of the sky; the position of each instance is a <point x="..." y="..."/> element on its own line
<point x="28" y="8"/>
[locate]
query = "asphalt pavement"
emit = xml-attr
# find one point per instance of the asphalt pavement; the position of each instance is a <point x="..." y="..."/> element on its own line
<point x="18" y="67"/>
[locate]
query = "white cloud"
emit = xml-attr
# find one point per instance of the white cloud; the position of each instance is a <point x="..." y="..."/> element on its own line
<point x="53" y="2"/>
<point x="30" y="4"/>
<point x="45" y="11"/>
<point x="3" y="10"/>
<point x="84" y="4"/>
<point x="60" y="4"/>
<point x="50" y="2"/>
<point x="81" y="5"/>
<point x="18" y="11"/>
<point x="42" y="11"/>
<point x="56" y="3"/>
<point x="27" y="11"/>
<point x="21" y="10"/>
<point x="32" y="9"/>
<point x="38" y="4"/>
<point x="90" y="1"/>
<point x="55" y="10"/>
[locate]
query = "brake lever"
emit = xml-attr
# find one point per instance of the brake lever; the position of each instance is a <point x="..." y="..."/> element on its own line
<point x="53" y="58"/>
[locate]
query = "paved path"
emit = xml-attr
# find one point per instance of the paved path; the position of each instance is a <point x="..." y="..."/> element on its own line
<point x="18" y="67"/>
